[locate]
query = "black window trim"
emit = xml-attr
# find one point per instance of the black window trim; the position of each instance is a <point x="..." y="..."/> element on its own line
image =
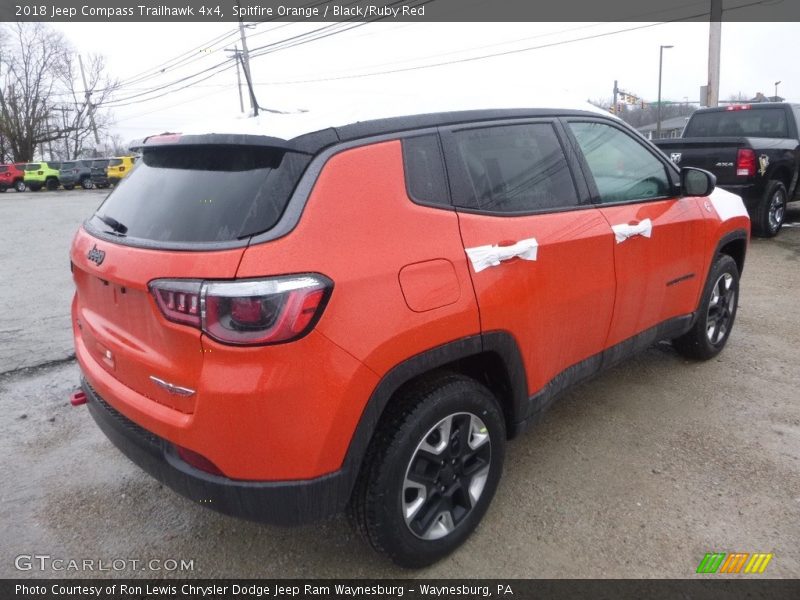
<point x="449" y="196"/>
<point x="451" y="162"/>
<point x="671" y="170"/>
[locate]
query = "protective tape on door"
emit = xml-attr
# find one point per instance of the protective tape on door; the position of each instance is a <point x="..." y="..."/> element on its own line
<point x="624" y="231"/>
<point x="483" y="257"/>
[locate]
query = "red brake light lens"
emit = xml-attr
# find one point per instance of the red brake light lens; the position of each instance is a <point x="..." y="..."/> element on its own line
<point x="246" y="312"/>
<point x="745" y="162"/>
<point x="178" y="300"/>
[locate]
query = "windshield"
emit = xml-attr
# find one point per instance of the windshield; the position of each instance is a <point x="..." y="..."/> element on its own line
<point x="205" y="193"/>
<point x="762" y="122"/>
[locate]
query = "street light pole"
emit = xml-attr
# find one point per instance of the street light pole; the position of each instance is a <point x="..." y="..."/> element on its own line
<point x="776" y="90"/>
<point x="660" y="68"/>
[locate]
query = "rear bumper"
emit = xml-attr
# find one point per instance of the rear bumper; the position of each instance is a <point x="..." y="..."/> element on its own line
<point x="275" y="502"/>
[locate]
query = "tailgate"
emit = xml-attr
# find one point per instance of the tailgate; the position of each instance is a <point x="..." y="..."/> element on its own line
<point x="717" y="155"/>
<point x="120" y="325"/>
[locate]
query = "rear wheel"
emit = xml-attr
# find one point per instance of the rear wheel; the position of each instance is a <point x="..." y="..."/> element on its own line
<point x="68" y="187"/>
<point x="52" y="184"/>
<point x="716" y="315"/>
<point x="35" y="187"/>
<point x="771" y="210"/>
<point x="19" y="186"/>
<point x="87" y="183"/>
<point x="3" y="189"/>
<point x="431" y="471"/>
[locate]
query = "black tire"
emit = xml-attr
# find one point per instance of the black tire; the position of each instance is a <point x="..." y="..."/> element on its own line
<point x="443" y="510"/>
<point x="35" y="187"/>
<point x="716" y="314"/>
<point x="69" y="187"/>
<point x="52" y="184"/>
<point x="20" y="186"/>
<point x="770" y="213"/>
<point x="87" y="183"/>
<point x="3" y="189"/>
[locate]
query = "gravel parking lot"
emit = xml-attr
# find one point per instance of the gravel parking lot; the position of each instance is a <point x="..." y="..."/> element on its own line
<point x="637" y="473"/>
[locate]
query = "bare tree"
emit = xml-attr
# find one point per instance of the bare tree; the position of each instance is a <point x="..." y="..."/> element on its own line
<point x="44" y="104"/>
<point x="79" y="118"/>
<point x="29" y="61"/>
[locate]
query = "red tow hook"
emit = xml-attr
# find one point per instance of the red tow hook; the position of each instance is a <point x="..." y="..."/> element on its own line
<point x="77" y="398"/>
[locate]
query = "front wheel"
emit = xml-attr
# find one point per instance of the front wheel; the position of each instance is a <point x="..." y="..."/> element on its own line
<point x="35" y="187"/>
<point x="52" y="184"/>
<point x="87" y="183"/>
<point x="68" y="187"/>
<point x="771" y="210"/>
<point x="716" y="315"/>
<point x="431" y="471"/>
<point x="19" y="186"/>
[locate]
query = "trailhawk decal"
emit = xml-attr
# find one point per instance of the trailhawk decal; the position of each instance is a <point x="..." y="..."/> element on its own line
<point x="727" y="205"/>
<point x="483" y="257"/>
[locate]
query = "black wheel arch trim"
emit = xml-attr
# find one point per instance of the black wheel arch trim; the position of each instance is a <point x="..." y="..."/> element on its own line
<point x="501" y="343"/>
<point x="731" y="236"/>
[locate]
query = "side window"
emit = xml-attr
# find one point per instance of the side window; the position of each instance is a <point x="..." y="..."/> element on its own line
<point x="512" y="169"/>
<point x="424" y="168"/>
<point x="622" y="168"/>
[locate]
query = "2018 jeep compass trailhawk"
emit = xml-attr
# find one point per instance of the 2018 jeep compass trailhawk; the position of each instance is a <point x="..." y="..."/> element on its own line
<point x="360" y="316"/>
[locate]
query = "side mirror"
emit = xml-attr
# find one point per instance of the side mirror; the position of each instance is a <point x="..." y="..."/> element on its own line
<point x="697" y="182"/>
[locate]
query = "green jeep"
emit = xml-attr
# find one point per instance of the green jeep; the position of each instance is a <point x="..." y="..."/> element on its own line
<point x="42" y="174"/>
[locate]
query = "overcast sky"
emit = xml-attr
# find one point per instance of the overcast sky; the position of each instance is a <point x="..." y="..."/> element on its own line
<point x="754" y="57"/>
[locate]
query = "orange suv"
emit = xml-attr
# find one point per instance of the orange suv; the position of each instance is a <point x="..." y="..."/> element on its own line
<point x="360" y="317"/>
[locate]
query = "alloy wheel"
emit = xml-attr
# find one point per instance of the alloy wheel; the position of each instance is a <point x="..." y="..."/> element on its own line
<point x="446" y="475"/>
<point x="777" y="210"/>
<point x="720" y="308"/>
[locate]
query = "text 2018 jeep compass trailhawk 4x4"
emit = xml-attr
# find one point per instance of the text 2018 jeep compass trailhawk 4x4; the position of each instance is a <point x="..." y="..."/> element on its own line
<point x="359" y="317"/>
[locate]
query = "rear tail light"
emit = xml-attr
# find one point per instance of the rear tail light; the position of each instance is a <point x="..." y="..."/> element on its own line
<point x="738" y="107"/>
<point x="745" y="162"/>
<point x="247" y="312"/>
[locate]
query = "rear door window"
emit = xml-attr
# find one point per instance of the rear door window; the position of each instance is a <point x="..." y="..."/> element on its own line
<point x="511" y="169"/>
<point x="204" y="193"/>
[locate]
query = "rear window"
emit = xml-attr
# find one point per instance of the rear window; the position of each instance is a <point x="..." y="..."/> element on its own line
<point x="32" y="167"/>
<point x="54" y="165"/>
<point x="3" y="169"/>
<point x="100" y="163"/>
<point x="115" y="162"/>
<point x="762" y="122"/>
<point x="203" y="193"/>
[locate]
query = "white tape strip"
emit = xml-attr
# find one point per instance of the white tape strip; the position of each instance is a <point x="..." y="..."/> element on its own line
<point x="483" y="257"/>
<point x="727" y="205"/>
<point x="624" y="231"/>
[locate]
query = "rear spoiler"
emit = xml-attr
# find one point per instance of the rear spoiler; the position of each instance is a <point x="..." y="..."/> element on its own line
<point x="212" y="139"/>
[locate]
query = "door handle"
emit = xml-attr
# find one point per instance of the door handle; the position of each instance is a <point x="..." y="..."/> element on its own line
<point x="624" y="231"/>
<point x="483" y="257"/>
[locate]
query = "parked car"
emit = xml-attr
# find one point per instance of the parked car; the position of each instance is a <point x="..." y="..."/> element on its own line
<point x="76" y="172"/>
<point x="753" y="149"/>
<point x="100" y="172"/>
<point x="42" y="174"/>
<point x="119" y="167"/>
<point x="12" y="176"/>
<point x="358" y="317"/>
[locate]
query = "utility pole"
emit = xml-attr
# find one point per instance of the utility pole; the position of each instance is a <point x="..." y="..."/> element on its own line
<point x="64" y="110"/>
<point x="714" y="43"/>
<point x="616" y="92"/>
<point x="236" y="54"/>
<point x="658" y="113"/>
<point x="246" y="66"/>
<point x="90" y="107"/>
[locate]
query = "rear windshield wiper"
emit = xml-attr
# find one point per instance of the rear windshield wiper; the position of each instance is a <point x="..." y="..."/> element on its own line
<point x="117" y="227"/>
